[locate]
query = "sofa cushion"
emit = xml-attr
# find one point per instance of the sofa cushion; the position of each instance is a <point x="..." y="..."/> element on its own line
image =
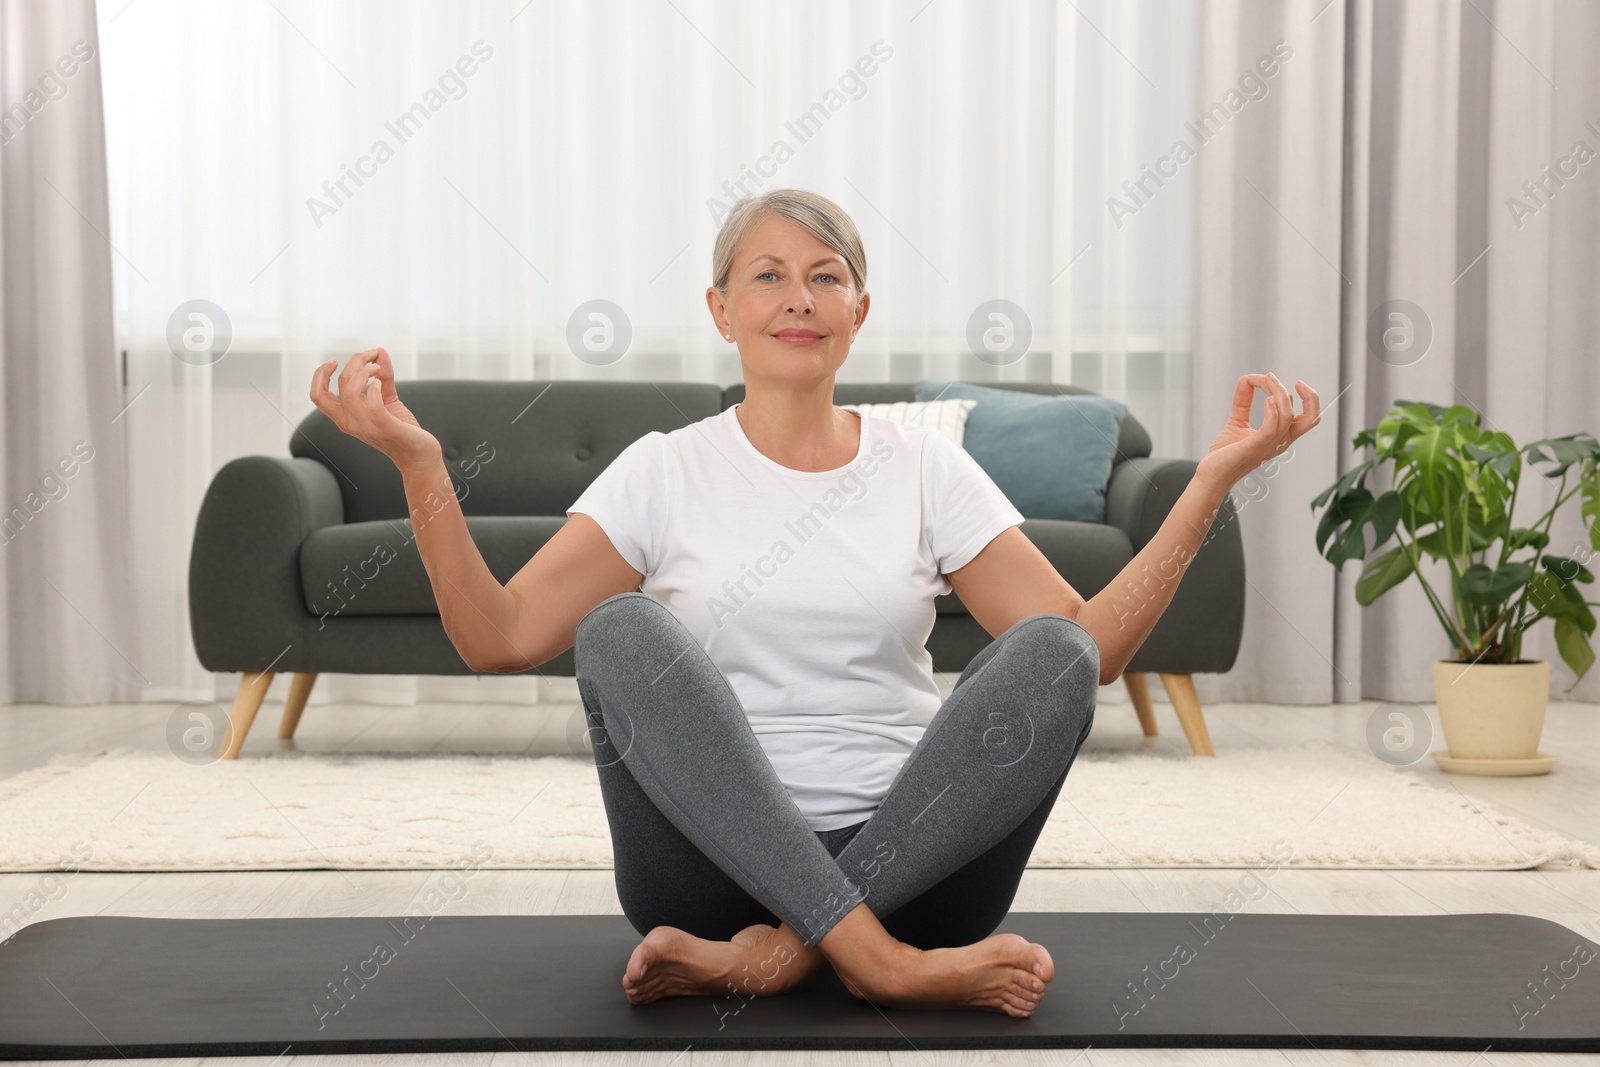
<point x="1133" y="440"/>
<point x="1051" y="455"/>
<point x="373" y="568"/>
<point x="512" y="447"/>
<point x="949" y="417"/>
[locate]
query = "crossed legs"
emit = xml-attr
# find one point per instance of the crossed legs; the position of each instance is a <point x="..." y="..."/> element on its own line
<point x="711" y="852"/>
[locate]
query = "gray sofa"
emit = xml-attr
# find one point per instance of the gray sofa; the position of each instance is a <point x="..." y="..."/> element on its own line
<point x="306" y="564"/>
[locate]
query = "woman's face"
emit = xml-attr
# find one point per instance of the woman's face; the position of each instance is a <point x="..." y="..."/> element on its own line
<point x="791" y="305"/>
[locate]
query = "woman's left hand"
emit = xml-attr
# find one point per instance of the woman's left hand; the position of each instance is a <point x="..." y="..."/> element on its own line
<point x="1241" y="448"/>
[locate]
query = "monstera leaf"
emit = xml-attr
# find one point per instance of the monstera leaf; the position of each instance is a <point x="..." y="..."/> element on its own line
<point x="1382" y="575"/>
<point x="1346" y="520"/>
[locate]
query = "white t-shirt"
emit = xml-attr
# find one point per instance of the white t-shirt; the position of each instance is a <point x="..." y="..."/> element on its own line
<point x="811" y="591"/>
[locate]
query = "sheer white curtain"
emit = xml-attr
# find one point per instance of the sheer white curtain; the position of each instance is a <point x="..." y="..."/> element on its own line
<point x="452" y="181"/>
<point x="1403" y="141"/>
<point x="67" y="633"/>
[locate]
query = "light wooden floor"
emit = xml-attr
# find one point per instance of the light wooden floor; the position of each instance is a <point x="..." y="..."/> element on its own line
<point x="1566" y="801"/>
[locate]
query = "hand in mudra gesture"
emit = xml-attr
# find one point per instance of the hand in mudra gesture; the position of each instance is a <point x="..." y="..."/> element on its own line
<point x="1240" y="448"/>
<point x="368" y="408"/>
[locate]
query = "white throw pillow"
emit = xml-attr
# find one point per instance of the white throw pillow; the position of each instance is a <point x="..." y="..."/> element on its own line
<point x="949" y="417"/>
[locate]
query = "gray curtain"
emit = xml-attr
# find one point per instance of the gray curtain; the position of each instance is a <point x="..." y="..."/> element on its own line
<point x="1385" y="174"/>
<point x="67" y="634"/>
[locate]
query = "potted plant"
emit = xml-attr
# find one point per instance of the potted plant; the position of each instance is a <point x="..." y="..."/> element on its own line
<point x="1452" y="499"/>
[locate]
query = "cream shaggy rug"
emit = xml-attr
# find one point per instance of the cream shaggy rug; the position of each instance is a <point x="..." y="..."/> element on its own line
<point x="1315" y="806"/>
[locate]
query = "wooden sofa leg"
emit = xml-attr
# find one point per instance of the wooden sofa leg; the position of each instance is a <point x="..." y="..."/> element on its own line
<point x="246" y="702"/>
<point x="1180" y="690"/>
<point x="299" y="691"/>
<point x="1139" y="692"/>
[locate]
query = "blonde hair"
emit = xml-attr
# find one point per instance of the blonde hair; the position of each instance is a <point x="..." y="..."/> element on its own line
<point x="821" y="217"/>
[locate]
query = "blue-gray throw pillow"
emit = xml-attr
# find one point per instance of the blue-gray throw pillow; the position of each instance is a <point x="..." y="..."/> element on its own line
<point x="1050" y="455"/>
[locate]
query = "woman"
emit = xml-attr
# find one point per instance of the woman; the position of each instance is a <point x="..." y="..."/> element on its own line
<point x="748" y="599"/>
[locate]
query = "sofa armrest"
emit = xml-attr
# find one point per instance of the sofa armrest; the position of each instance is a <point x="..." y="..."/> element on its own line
<point x="1201" y="628"/>
<point x="1141" y="493"/>
<point x="245" y="599"/>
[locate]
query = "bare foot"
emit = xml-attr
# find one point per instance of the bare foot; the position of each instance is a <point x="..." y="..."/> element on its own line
<point x="1005" y="973"/>
<point x="780" y="946"/>
<point x="758" y="961"/>
<point x="753" y="935"/>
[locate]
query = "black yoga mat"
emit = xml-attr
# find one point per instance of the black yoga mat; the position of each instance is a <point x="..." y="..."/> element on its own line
<point x="112" y="987"/>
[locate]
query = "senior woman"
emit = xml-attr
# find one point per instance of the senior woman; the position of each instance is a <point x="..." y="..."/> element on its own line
<point x="748" y="598"/>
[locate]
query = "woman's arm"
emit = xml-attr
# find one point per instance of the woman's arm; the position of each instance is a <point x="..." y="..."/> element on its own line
<point x="533" y="617"/>
<point x="574" y="571"/>
<point x="496" y="628"/>
<point x="1011" y="579"/>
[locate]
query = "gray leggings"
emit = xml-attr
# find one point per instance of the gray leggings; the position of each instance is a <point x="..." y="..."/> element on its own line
<point x="707" y="839"/>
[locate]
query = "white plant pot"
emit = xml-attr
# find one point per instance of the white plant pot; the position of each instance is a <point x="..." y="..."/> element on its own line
<point x="1491" y="711"/>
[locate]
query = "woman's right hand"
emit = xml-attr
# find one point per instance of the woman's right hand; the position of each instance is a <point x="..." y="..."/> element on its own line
<point x="374" y="415"/>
